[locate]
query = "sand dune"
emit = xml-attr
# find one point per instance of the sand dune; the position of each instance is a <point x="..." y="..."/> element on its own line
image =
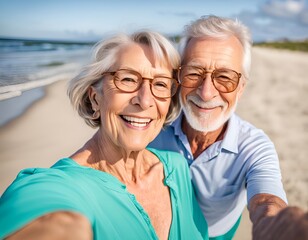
<point x="275" y="100"/>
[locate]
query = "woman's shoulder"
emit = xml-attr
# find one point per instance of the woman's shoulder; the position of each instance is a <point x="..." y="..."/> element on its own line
<point x="36" y="178"/>
<point x="166" y="154"/>
<point x="170" y="159"/>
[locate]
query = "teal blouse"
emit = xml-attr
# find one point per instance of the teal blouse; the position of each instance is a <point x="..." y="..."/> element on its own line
<point x="113" y="212"/>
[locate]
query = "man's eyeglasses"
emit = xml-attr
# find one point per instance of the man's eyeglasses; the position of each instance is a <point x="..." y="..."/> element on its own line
<point x="224" y="80"/>
<point x="130" y="81"/>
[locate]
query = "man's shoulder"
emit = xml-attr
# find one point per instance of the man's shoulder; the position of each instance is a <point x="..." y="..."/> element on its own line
<point x="253" y="143"/>
<point x="247" y="130"/>
<point x="166" y="139"/>
<point x="243" y="124"/>
<point x="167" y="130"/>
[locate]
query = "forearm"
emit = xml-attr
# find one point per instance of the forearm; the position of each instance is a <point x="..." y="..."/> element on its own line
<point x="264" y="205"/>
<point x="58" y="225"/>
<point x="272" y="219"/>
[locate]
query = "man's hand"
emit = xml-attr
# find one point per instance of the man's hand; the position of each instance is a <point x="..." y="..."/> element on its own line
<point x="272" y="219"/>
<point x="289" y="223"/>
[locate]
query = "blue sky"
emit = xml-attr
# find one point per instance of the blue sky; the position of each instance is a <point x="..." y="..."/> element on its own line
<point x="92" y="19"/>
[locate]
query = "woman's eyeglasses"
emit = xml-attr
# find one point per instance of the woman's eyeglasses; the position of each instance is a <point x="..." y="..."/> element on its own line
<point x="129" y="81"/>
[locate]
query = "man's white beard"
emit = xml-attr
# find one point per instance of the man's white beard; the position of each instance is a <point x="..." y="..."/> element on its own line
<point x="205" y="122"/>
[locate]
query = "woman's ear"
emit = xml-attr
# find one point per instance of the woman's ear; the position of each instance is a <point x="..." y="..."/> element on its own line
<point x="94" y="98"/>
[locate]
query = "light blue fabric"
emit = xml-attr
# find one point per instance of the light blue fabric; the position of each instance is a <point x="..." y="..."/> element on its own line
<point x="113" y="212"/>
<point x="229" y="172"/>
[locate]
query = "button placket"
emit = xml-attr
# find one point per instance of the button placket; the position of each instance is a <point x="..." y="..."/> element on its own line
<point x="144" y="215"/>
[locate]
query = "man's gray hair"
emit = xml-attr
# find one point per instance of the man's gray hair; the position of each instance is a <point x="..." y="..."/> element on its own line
<point x="220" y="28"/>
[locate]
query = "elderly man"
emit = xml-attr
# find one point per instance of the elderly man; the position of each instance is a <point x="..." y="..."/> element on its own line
<point x="232" y="162"/>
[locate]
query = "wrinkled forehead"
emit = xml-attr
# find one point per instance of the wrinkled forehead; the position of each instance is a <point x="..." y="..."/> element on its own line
<point x="212" y="52"/>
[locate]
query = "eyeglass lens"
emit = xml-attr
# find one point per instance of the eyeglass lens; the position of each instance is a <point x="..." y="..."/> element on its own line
<point x="224" y="80"/>
<point x="131" y="81"/>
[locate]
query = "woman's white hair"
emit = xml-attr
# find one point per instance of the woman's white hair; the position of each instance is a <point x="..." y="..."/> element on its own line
<point x="220" y="28"/>
<point x="105" y="57"/>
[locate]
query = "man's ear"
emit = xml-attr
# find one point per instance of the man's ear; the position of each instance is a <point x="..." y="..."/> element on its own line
<point x="94" y="98"/>
<point x="241" y="86"/>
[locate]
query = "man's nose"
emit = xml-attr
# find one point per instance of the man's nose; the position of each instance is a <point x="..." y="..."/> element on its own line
<point x="207" y="90"/>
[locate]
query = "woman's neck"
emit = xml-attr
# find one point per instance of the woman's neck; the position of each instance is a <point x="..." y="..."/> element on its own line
<point x="127" y="166"/>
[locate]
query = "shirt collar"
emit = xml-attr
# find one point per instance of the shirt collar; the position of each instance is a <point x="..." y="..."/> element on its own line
<point x="177" y="125"/>
<point x="230" y="139"/>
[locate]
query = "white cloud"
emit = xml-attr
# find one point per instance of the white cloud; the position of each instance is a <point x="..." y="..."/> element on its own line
<point x="278" y="19"/>
<point x="303" y="17"/>
<point x="285" y="9"/>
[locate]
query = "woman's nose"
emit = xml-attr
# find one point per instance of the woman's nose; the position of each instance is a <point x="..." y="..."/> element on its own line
<point x="144" y="96"/>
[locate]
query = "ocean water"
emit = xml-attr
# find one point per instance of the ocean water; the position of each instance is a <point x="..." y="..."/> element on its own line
<point x="28" y="65"/>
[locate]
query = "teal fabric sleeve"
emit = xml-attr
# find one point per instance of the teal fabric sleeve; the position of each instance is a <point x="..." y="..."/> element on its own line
<point x="34" y="193"/>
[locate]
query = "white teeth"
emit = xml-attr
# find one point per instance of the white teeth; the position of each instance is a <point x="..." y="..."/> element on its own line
<point x="137" y="122"/>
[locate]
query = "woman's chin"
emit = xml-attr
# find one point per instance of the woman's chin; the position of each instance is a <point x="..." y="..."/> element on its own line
<point x="134" y="146"/>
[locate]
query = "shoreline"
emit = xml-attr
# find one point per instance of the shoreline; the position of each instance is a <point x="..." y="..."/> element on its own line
<point x="15" y="107"/>
<point x="16" y="99"/>
<point x="41" y="135"/>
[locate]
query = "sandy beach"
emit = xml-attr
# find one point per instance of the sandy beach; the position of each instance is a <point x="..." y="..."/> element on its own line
<point x="275" y="100"/>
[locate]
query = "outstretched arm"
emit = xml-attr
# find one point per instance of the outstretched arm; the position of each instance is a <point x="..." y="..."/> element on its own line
<point x="273" y="219"/>
<point x="58" y="225"/>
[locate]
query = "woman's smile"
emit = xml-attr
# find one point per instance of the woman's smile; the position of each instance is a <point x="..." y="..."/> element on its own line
<point x="136" y="121"/>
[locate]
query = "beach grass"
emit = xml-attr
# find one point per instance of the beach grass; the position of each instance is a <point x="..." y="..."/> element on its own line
<point x="286" y="44"/>
<point x="52" y="64"/>
<point x="281" y="44"/>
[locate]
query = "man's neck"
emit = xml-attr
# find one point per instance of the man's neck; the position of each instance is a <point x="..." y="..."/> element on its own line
<point x="199" y="141"/>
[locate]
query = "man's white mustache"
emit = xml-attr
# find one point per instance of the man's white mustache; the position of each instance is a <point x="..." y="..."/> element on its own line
<point x="209" y="104"/>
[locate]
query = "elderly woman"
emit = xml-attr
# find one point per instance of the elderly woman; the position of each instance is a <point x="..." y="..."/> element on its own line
<point x="113" y="187"/>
